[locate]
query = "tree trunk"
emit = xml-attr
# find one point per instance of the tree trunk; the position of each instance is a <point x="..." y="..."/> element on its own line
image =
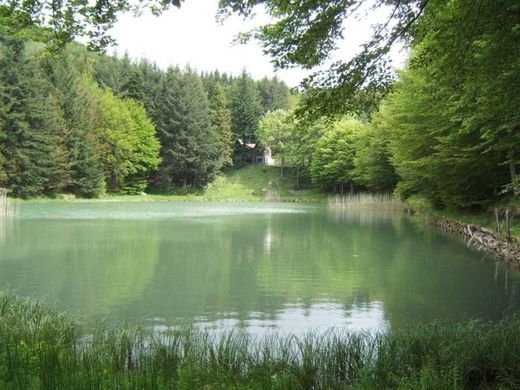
<point x="113" y="180"/>
<point x="185" y="182"/>
<point x="512" y="170"/>
<point x="508" y="225"/>
<point x="497" y="220"/>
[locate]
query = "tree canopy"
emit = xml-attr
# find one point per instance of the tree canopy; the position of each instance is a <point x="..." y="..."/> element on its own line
<point x="446" y="127"/>
<point x="61" y="21"/>
<point x="304" y="33"/>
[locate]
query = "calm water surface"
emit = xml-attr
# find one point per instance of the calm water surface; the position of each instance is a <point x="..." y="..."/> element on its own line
<point x="253" y="265"/>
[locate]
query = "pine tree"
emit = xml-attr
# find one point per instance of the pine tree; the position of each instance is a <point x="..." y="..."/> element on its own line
<point x="27" y="120"/>
<point x="189" y="147"/>
<point x="3" y="137"/>
<point x="78" y="107"/>
<point x="274" y="94"/>
<point x="220" y="117"/>
<point x="133" y="87"/>
<point x="246" y="108"/>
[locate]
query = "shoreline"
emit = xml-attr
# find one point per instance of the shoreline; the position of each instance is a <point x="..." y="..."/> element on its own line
<point x="476" y="236"/>
<point x="482" y="238"/>
<point x="149" y="198"/>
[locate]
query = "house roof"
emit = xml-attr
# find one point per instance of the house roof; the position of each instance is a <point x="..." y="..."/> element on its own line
<point x="248" y="145"/>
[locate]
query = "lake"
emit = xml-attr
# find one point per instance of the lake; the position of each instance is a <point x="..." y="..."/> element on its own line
<point x="259" y="266"/>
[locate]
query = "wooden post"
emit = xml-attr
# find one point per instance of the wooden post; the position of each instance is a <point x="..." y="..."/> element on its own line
<point x="497" y="219"/>
<point x="512" y="170"/>
<point x="508" y="225"/>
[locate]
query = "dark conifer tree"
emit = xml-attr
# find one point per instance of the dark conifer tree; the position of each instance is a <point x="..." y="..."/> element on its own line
<point x="274" y="94"/>
<point x="220" y="116"/>
<point x="27" y="120"/>
<point x="188" y="145"/>
<point x="245" y="108"/>
<point x="78" y="107"/>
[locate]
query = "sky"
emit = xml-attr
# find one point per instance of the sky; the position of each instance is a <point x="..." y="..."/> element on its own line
<point x="191" y="36"/>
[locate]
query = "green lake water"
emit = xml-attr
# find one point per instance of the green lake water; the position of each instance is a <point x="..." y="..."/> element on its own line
<point x="255" y="265"/>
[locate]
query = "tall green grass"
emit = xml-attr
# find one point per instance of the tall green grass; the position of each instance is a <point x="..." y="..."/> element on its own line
<point x="41" y="348"/>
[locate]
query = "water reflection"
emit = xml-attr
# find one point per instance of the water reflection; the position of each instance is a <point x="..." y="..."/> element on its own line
<point x="257" y="266"/>
<point x="3" y="230"/>
<point x="298" y="320"/>
<point x="7" y="225"/>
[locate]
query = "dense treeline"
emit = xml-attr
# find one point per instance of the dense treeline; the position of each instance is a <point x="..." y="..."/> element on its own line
<point x="450" y="128"/>
<point x="83" y="123"/>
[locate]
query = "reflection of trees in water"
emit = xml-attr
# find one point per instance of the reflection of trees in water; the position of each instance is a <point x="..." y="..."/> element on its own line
<point x="87" y="266"/>
<point x="256" y="269"/>
<point x="366" y="217"/>
<point x="9" y="211"/>
<point x="3" y="230"/>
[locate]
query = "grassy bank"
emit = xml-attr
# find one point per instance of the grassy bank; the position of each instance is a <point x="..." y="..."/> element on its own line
<point x="485" y="219"/>
<point x="43" y="349"/>
<point x="249" y="183"/>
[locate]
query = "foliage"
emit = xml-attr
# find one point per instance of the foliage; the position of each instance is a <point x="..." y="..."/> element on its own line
<point x="84" y="123"/>
<point x="189" y="142"/>
<point x="449" y="128"/>
<point x="59" y="22"/>
<point x="304" y="33"/>
<point x="126" y="143"/>
<point x="333" y="160"/>
<point x="373" y="168"/>
<point x="220" y="117"/>
<point x="447" y="141"/>
<point x="30" y="123"/>
<point x="276" y="131"/>
<point x="246" y="111"/>
<point x="74" y="96"/>
<point x="274" y="94"/>
<point x="245" y="108"/>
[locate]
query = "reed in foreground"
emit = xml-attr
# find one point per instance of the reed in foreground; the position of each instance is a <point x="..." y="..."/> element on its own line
<point x="41" y="348"/>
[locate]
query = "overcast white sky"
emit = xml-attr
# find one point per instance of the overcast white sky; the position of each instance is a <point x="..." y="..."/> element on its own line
<point x="191" y="35"/>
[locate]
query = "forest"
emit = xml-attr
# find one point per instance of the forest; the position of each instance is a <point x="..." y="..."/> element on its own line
<point x="445" y="127"/>
<point x="351" y="292"/>
<point x="85" y="123"/>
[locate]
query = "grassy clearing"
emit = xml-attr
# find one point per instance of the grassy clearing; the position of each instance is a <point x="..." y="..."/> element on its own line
<point x="485" y="219"/>
<point x="249" y="183"/>
<point x="43" y="349"/>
